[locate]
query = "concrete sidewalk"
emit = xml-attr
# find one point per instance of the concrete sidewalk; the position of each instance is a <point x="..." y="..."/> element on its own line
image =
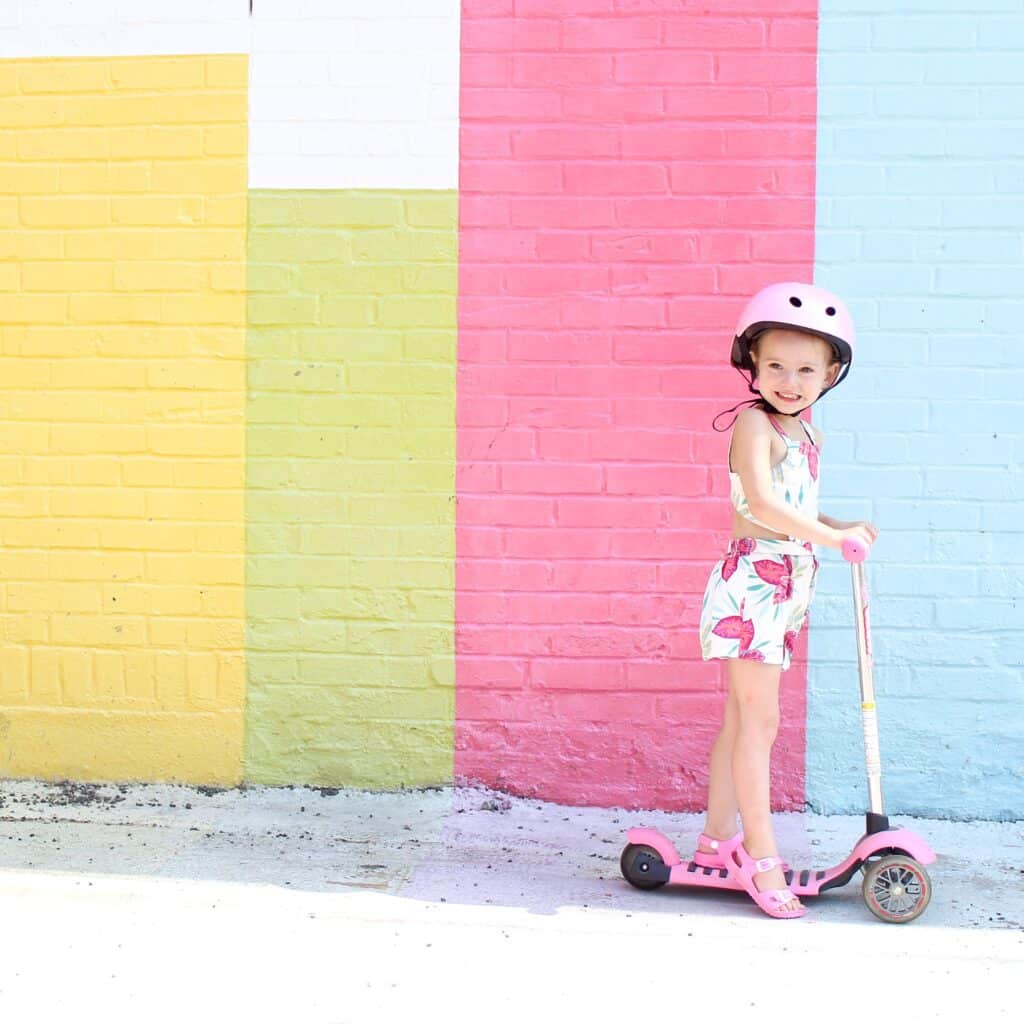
<point x="168" y="903"/>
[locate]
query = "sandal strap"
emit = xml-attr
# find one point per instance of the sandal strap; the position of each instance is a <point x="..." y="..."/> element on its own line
<point x="766" y="864"/>
<point x="781" y="896"/>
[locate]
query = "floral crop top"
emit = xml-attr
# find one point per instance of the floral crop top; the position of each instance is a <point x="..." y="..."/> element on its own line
<point x="794" y="479"/>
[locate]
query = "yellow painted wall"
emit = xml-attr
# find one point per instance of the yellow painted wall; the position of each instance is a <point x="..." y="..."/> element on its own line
<point x="122" y="397"/>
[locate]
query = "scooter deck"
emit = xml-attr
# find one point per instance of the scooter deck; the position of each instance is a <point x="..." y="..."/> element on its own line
<point x="802" y="883"/>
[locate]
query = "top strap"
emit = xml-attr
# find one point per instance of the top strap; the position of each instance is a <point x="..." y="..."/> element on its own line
<point x="785" y="437"/>
<point x="807" y="431"/>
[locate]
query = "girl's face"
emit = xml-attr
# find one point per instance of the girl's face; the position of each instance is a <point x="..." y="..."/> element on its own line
<point x="792" y="368"/>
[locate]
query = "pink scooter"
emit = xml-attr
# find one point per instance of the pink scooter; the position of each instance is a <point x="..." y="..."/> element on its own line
<point x="896" y="886"/>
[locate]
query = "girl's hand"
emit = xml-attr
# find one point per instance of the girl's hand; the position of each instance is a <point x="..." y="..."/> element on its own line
<point x="863" y="533"/>
<point x="870" y="527"/>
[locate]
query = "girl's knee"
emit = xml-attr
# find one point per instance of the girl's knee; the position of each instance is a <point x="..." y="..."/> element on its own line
<point x="754" y="694"/>
<point x="760" y="722"/>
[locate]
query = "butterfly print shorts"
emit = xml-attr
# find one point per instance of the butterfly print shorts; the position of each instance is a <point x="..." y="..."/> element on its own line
<point x="756" y="600"/>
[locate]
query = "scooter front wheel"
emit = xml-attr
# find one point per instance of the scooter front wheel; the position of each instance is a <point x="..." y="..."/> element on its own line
<point x="896" y="889"/>
<point x="636" y="863"/>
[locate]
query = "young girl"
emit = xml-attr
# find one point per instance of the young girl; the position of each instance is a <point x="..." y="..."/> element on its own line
<point x="796" y="342"/>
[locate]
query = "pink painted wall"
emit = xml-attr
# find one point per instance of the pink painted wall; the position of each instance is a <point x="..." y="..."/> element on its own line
<point x="631" y="170"/>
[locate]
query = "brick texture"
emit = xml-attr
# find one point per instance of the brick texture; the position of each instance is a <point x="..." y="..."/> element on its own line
<point x="350" y="95"/>
<point x="919" y="225"/>
<point x="59" y="28"/>
<point x="123" y="198"/>
<point x="629" y="173"/>
<point x="350" y="468"/>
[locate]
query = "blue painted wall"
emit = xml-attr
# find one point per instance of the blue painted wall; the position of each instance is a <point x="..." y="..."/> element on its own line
<point x="921" y="227"/>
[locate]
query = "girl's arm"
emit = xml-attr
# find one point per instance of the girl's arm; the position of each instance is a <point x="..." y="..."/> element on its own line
<point x="842" y="524"/>
<point x="750" y="457"/>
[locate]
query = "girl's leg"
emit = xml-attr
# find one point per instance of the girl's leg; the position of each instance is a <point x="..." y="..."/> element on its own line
<point x="755" y="687"/>
<point x="722" y="806"/>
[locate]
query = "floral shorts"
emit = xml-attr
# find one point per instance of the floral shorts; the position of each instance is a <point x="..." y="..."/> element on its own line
<point x="756" y="600"/>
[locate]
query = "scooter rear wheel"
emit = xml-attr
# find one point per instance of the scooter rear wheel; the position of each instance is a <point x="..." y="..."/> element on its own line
<point x="636" y="862"/>
<point x="896" y="888"/>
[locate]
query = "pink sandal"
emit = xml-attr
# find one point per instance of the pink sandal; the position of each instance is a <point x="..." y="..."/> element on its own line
<point x="742" y="867"/>
<point x="715" y="860"/>
<point x="711" y="860"/>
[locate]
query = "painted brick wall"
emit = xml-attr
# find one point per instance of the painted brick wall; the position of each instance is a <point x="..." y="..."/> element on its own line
<point x="355" y="95"/>
<point x="123" y="206"/>
<point x="128" y="28"/>
<point x="631" y="171"/>
<point x="351" y="415"/>
<point x="920" y="213"/>
<point x="226" y="523"/>
<point x="157" y="443"/>
<point x="350" y="468"/>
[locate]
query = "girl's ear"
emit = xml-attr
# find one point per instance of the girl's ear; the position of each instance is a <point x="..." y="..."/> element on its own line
<point x="831" y="373"/>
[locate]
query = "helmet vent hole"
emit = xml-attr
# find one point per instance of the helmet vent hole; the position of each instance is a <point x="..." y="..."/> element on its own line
<point x="831" y="310"/>
<point x="794" y="301"/>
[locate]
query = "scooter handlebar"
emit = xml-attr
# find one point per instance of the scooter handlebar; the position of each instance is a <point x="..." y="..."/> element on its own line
<point x="855" y="550"/>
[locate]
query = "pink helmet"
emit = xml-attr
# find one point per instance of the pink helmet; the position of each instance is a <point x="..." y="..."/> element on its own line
<point x="802" y="307"/>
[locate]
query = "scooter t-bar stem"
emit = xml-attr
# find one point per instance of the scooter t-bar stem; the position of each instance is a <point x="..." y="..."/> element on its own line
<point x="855" y="553"/>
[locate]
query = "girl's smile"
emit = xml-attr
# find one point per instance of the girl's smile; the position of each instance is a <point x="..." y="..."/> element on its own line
<point x="793" y="367"/>
<point x="788" y="396"/>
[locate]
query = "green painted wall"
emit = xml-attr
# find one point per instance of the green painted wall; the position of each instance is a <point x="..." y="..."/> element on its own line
<point x="350" y="506"/>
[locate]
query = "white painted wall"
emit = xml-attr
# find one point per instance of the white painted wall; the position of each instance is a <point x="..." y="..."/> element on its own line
<point x="354" y="94"/>
<point x="106" y="28"/>
<point x="343" y="93"/>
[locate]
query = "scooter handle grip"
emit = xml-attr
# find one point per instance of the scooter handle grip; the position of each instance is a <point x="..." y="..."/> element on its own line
<point x="855" y="550"/>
